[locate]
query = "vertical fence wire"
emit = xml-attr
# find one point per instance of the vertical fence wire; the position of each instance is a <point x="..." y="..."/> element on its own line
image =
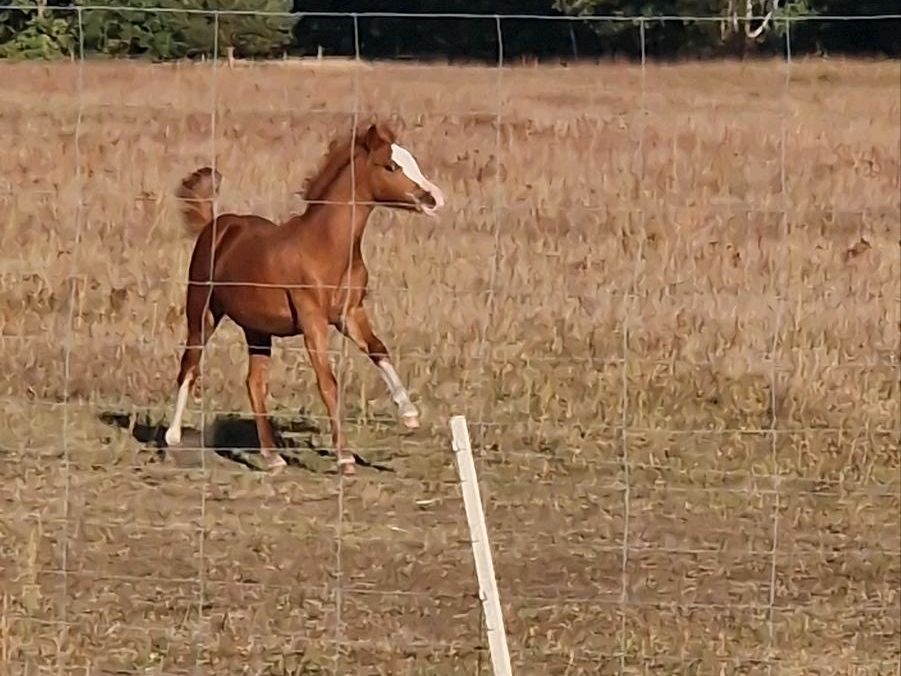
<point x="780" y="295"/>
<point x="491" y="300"/>
<point x="630" y="301"/>
<point x="343" y="358"/>
<point x="204" y="338"/>
<point x="67" y="343"/>
<point x="484" y="346"/>
<point x="498" y="190"/>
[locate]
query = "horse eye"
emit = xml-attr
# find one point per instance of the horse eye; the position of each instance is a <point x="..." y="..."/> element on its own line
<point x="392" y="167"/>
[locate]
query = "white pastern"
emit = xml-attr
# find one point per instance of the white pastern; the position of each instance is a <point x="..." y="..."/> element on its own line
<point x="173" y="434"/>
<point x="408" y="412"/>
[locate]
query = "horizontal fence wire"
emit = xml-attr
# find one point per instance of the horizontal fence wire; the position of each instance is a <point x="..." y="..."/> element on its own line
<point x="800" y="552"/>
<point x="609" y="114"/>
<point x="442" y="646"/>
<point x="654" y="205"/>
<point x="619" y="18"/>
<point x="758" y="484"/>
<point x="816" y="359"/>
<point x="598" y="658"/>
<point x="126" y="405"/>
<point x="588" y="601"/>
<point x="670" y="291"/>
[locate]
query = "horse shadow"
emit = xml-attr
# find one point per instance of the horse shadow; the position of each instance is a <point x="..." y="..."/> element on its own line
<point x="234" y="438"/>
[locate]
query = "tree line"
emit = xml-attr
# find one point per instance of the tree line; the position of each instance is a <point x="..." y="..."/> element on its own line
<point x="50" y="29"/>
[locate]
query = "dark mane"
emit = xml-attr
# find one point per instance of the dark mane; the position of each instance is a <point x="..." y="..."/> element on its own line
<point x="336" y="158"/>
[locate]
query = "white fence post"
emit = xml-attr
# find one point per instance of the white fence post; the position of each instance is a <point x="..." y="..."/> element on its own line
<point x="481" y="548"/>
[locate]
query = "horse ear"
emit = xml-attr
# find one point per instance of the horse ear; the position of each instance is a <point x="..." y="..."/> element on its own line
<point x="377" y="136"/>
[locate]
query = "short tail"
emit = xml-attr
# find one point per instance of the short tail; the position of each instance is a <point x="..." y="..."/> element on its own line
<point x="196" y="194"/>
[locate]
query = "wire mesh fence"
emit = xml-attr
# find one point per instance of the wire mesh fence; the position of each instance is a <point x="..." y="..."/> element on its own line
<point x="665" y="296"/>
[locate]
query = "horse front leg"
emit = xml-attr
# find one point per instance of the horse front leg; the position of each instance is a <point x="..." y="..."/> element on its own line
<point x="359" y="330"/>
<point x="315" y="333"/>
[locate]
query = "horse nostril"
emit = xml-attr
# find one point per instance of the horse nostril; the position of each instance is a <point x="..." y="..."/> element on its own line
<point x="428" y="199"/>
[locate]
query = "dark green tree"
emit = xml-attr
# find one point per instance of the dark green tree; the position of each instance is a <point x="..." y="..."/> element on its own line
<point x="267" y="31"/>
<point x="862" y="36"/>
<point x="41" y="33"/>
<point x="420" y="36"/>
<point x="187" y="28"/>
<point x="678" y="34"/>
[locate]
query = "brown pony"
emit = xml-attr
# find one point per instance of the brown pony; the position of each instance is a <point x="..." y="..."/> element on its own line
<point x="299" y="277"/>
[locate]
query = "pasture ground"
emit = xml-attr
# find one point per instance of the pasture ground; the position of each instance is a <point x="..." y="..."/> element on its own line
<point x="686" y="418"/>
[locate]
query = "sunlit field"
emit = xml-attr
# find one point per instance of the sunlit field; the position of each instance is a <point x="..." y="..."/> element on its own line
<point x="667" y="301"/>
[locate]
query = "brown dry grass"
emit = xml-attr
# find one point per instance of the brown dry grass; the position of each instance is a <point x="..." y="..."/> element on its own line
<point x="745" y="307"/>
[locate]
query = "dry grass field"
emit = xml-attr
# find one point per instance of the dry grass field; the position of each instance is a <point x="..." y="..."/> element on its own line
<point x="687" y="413"/>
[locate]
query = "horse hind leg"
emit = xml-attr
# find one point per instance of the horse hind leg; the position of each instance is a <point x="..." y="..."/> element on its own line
<point x="259" y="348"/>
<point x="202" y="323"/>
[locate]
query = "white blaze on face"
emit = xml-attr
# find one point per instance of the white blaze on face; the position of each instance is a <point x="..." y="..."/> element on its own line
<point x="407" y="163"/>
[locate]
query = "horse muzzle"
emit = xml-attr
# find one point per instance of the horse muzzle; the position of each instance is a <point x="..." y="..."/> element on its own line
<point x="429" y="200"/>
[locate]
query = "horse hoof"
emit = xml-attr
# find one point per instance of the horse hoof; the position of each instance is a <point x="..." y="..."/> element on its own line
<point x="173" y="436"/>
<point x="277" y="464"/>
<point x="410" y="420"/>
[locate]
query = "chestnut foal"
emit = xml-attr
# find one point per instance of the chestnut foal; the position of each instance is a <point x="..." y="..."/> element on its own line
<point x="299" y="277"/>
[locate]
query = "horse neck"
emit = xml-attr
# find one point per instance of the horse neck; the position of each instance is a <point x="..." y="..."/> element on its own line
<point x="331" y="216"/>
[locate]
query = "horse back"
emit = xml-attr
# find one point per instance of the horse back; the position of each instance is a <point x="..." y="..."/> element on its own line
<point x="219" y="240"/>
